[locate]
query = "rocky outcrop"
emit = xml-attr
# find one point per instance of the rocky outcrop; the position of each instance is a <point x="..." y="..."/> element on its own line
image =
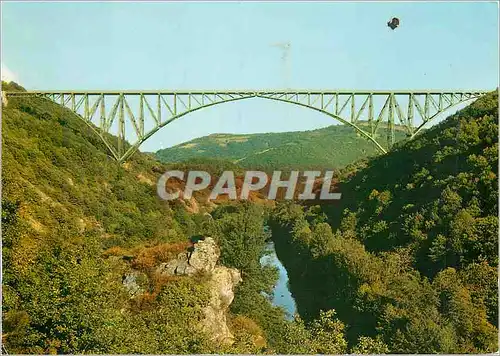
<point x="131" y="283"/>
<point x="202" y="258"/>
<point x="222" y="283"/>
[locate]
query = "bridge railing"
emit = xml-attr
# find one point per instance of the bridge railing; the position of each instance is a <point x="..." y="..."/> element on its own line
<point x="134" y="115"/>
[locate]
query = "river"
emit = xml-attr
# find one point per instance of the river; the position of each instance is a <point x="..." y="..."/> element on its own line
<point x="281" y="294"/>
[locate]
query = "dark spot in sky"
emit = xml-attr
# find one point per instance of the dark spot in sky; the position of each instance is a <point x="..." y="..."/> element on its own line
<point x="393" y="23"/>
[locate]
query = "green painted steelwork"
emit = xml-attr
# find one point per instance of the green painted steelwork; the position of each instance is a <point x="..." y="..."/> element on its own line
<point x="156" y="109"/>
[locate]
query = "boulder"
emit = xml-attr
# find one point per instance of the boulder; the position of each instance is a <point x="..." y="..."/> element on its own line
<point x="222" y="283"/>
<point x="205" y="255"/>
<point x="201" y="258"/>
<point x="130" y="281"/>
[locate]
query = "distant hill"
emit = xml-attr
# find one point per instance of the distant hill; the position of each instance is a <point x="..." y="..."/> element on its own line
<point x="330" y="147"/>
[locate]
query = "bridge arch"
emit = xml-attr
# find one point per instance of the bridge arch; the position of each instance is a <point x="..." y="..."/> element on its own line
<point x="347" y="107"/>
<point x="136" y="146"/>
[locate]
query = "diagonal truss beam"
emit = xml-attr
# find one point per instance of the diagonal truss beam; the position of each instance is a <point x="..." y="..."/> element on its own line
<point x="134" y="116"/>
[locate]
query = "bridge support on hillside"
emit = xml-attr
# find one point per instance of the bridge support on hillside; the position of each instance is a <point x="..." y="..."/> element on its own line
<point x="134" y="116"/>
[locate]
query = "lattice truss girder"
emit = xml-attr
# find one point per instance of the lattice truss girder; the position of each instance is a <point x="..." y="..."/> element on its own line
<point x="135" y="116"/>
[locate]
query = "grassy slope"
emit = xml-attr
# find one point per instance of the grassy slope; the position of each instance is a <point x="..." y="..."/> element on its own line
<point x="51" y="158"/>
<point x="330" y="147"/>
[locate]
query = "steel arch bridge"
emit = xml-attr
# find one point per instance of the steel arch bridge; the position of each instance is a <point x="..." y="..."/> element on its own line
<point x="140" y="114"/>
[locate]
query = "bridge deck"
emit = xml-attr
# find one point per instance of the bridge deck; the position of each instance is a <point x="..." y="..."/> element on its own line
<point x="253" y="92"/>
<point x="135" y="115"/>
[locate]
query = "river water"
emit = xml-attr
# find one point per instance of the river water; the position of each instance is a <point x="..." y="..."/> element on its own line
<point x="281" y="294"/>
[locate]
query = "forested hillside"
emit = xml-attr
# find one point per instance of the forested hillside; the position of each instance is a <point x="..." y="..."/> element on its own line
<point x="65" y="202"/>
<point x="85" y="242"/>
<point x="406" y="262"/>
<point x="409" y="256"/>
<point x="326" y="148"/>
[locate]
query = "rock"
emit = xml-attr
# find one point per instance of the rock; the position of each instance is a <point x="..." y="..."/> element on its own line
<point x="222" y="283"/>
<point x="224" y="280"/>
<point x="179" y="266"/>
<point x="130" y="280"/>
<point x="205" y="255"/>
<point x="202" y="258"/>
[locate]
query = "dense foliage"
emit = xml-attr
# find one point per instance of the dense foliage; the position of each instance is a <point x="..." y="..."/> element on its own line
<point x="64" y="204"/>
<point x="75" y="222"/>
<point x="405" y="263"/>
<point x="412" y="257"/>
<point x="239" y="230"/>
